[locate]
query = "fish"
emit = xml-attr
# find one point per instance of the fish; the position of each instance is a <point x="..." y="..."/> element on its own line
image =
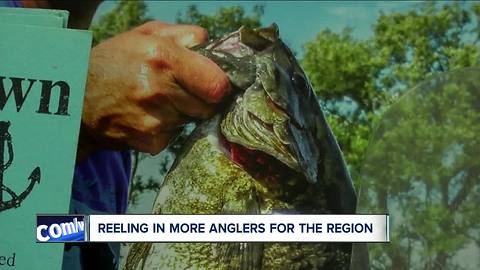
<point x="269" y="151"/>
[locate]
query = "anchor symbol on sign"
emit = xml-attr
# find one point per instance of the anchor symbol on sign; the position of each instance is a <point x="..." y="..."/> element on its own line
<point x="15" y="200"/>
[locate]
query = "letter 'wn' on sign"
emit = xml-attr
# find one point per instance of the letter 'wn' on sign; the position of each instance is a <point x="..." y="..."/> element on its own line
<point x="19" y="89"/>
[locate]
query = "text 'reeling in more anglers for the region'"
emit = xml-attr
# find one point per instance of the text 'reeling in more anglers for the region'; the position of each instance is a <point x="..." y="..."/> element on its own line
<point x="329" y="228"/>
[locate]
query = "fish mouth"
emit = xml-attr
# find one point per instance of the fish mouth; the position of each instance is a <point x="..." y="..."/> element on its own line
<point x="258" y="164"/>
<point x="268" y="115"/>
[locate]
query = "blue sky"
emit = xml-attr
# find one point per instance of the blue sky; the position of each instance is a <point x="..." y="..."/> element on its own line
<point x="299" y="21"/>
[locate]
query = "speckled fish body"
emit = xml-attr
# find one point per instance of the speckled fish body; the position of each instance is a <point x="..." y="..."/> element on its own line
<point x="271" y="151"/>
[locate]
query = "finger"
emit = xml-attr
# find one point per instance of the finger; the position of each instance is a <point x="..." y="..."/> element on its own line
<point x="187" y="103"/>
<point x="151" y="26"/>
<point x="158" y="125"/>
<point x="200" y="76"/>
<point x="166" y="91"/>
<point x="162" y="117"/>
<point x="184" y="35"/>
<point x="154" y="114"/>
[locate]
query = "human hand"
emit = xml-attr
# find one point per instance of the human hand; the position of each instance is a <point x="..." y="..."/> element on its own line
<point x="144" y="84"/>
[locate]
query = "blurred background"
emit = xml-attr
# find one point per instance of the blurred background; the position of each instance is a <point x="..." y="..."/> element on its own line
<point x="361" y="58"/>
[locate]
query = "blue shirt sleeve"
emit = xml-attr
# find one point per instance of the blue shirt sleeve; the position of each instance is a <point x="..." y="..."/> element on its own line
<point x="100" y="183"/>
<point x="100" y="186"/>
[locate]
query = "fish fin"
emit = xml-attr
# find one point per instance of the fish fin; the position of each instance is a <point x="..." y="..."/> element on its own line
<point x="137" y="253"/>
<point x="271" y="33"/>
<point x="253" y="40"/>
<point x="242" y="256"/>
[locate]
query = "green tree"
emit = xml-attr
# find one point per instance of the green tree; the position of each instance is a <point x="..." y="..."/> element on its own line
<point x="125" y="16"/>
<point x="357" y="80"/>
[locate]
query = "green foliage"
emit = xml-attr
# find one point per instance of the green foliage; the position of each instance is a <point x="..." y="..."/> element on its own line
<point x="421" y="43"/>
<point x="354" y="138"/>
<point x="126" y="15"/>
<point x="340" y="67"/>
<point x="225" y="20"/>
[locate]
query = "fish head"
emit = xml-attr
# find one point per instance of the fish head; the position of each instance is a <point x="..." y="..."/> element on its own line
<point x="267" y="117"/>
<point x="275" y="116"/>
